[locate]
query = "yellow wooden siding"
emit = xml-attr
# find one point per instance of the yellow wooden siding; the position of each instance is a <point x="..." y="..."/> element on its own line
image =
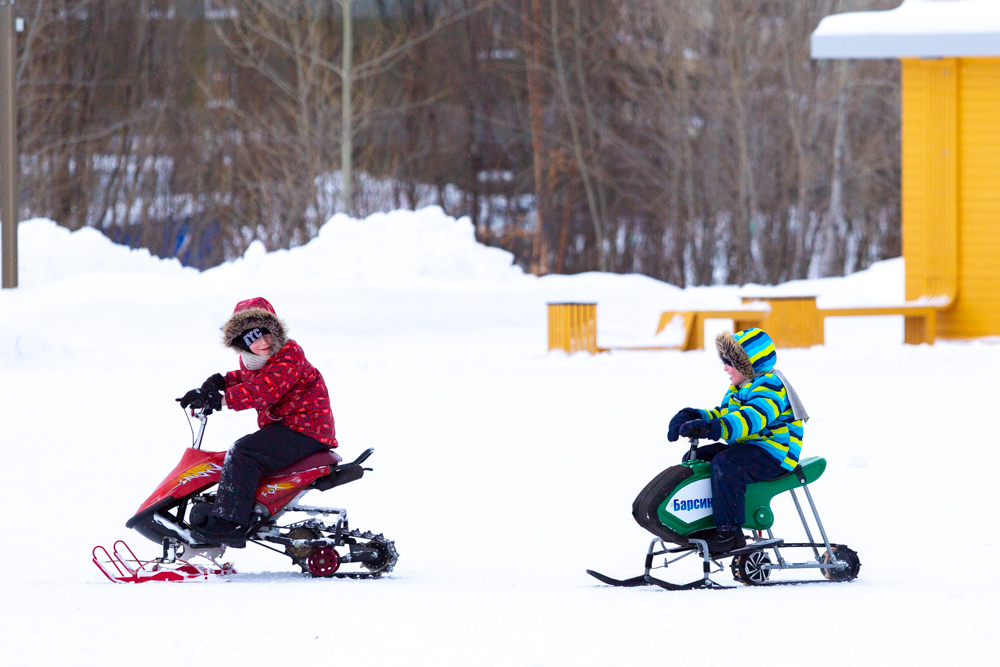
<point x="977" y="309"/>
<point x="930" y="177"/>
<point x="951" y="189"/>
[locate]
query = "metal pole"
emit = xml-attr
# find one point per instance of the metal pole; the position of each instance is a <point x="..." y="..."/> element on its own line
<point x="819" y="522"/>
<point x="8" y="145"/>
<point x="804" y="523"/>
<point x="345" y="109"/>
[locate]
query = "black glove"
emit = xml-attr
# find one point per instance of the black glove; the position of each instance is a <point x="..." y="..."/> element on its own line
<point x="213" y="400"/>
<point x="216" y="383"/>
<point x="685" y="415"/>
<point x="699" y="428"/>
<point x="196" y="398"/>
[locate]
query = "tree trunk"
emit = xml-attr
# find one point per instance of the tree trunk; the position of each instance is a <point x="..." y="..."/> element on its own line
<point x="581" y="161"/>
<point x="835" y="225"/>
<point x="531" y="17"/>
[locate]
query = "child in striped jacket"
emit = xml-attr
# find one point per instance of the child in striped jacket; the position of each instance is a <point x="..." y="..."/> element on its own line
<point x="760" y="419"/>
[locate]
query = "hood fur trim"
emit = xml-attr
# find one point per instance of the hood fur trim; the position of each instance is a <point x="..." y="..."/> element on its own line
<point x="250" y="318"/>
<point x="726" y="346"/>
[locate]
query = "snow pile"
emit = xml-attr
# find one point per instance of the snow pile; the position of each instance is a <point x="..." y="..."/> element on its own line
<point x="50" y="253"/>
<point x="402" y="247"/>
<point x="882" y="284"/>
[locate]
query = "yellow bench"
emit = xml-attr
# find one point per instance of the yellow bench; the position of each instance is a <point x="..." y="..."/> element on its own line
<point x="797" y="322"/>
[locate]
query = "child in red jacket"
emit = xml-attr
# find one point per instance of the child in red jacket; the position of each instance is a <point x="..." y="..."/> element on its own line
<point x="293" y="414"/>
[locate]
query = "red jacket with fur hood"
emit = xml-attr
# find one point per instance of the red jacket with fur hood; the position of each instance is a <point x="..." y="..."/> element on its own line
<point x="288" y="388"/>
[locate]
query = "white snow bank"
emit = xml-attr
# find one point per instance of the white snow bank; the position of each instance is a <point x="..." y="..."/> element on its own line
<point x="401" y="247"/>
<point x="366" y="270"/>
<point x="881" y="284"/>
<point x="396" y="248"/>
<point x="405" y="249"/>
<point x="49" y="253"/>
<point x="917" y="28"/>
<point x="359" y="283"/>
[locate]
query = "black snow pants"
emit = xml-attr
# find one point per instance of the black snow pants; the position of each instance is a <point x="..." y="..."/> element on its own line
<point x="251" y="457"/>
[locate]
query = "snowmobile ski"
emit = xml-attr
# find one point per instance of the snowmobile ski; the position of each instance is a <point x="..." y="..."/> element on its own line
<point x="697" y="584"/>
<point x="634" y="581"/>
<point x="648" y="580"/>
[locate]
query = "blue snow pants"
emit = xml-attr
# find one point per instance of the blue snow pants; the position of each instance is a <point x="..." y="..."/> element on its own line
<point x="733" y="468"/>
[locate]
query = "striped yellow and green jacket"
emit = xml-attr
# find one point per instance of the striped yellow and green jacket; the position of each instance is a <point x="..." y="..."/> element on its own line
<point x="759" y="412"/>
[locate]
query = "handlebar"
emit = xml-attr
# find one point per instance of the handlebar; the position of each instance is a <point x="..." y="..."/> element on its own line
<point x="691" y="453"/>
<point x="198" y="407"/>
<point x="201" y="412"/>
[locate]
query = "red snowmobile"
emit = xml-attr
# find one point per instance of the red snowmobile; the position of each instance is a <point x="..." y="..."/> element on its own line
<point x="186" y="497"/>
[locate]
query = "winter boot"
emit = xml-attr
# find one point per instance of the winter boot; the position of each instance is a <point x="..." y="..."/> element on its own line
<point x="723" y="541"/>
<point x="221" y="532"/>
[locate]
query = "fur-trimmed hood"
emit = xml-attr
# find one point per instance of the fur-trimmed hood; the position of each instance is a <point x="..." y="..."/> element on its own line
<point x="251" y="314"/>
<point x="751" y="352"/>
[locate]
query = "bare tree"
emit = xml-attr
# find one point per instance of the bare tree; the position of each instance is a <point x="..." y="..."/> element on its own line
<point x="695" y="142"/>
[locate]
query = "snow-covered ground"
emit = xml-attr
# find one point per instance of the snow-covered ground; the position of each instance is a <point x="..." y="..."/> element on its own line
<point x="502" y="472"/>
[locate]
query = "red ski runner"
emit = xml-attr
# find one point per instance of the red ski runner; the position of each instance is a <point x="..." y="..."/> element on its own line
<point x="122" y="566"/>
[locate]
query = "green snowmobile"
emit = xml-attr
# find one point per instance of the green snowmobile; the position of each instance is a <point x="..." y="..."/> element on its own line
<point x="682" y="498"/>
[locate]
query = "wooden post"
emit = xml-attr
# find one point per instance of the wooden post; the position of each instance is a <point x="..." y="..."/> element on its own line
<point x="573" y="327"/>
<point x="8" y="145"/>
<point x="346" y="112"/>
<point x="531" y="19"/>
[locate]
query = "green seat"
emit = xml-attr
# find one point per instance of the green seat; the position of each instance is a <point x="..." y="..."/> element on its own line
<point x="759" y="494"/>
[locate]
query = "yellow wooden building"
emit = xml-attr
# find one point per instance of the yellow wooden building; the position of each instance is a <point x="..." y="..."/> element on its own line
<point x="950" y="55"/>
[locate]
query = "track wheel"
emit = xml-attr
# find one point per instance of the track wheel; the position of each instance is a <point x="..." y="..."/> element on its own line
<point x="847" y="555"/>
<point x="323" y="562"/>
<point x="301" y="533"/>
<point x="387" y="556"/>
<point x="750" y="568"/>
